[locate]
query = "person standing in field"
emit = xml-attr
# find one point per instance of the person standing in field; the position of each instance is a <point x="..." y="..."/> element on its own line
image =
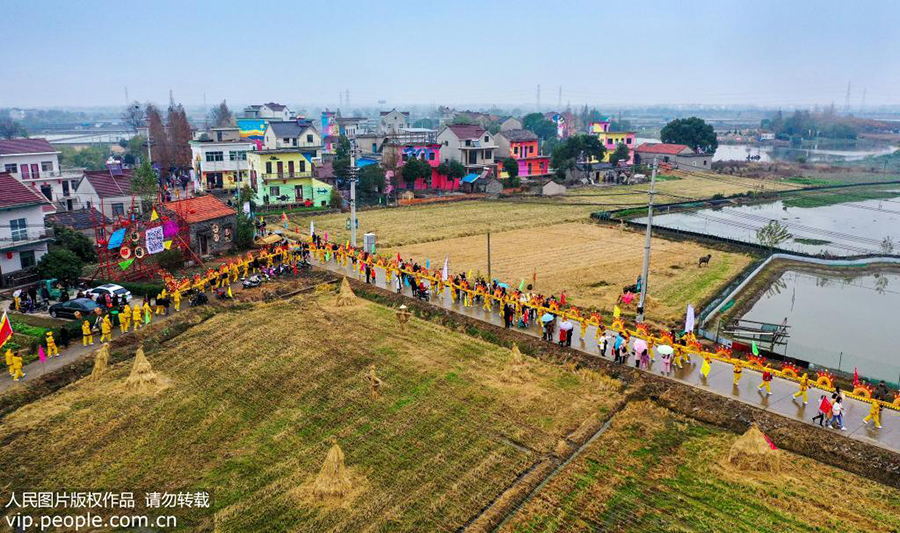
<point x="804" y="386"/>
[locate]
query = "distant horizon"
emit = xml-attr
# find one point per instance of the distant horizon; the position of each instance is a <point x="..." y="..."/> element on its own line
<point x="770" y="54"/>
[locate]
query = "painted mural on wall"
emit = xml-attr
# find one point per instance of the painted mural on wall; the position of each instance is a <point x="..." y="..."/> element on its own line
<point x="253" y="129"/>
<point x="430" y="154"/>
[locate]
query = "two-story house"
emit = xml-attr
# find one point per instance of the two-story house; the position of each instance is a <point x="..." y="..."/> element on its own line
<point x="393" y="122"/>
<point x="285" y="176"/>
<point x="35" y="163"/>
<point x="473" y="146"/>
<point x="220" y="164"/>
<point x="294" y="134"/>
<point x="524" y="147"/>
<point x="271" y="111"/>
<point x="109" y="191"/>
<point x="23" y="237"/>
<point x="427" y="152"/>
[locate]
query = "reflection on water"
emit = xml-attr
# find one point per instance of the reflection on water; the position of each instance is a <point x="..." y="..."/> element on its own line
<point x="853" y="228"/>
<point x="837" y="320"/>
<point x="767" y="153"/>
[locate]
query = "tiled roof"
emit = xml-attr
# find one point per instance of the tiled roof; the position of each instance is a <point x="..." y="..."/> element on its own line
<point x="467" y="131"/>
<point x="519" y="135"/>
<point x="662" y="148"/>
<point x="404" y="113"/>
<point x="287" y="128"/>
<point x="78" y="219"/>
<point x="25" y="146"/>
<point x="275" y="107"/>
<point x="16" y="194"/>
<point x="199" y="209"/>
<point x="107" y="185"/>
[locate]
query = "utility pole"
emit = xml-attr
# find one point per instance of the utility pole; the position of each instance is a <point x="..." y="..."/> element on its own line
<point x="489" y="254"/>
<point x="646" y="271"/>
<point x="353" y="195"/>
<point x="847" y="100"/>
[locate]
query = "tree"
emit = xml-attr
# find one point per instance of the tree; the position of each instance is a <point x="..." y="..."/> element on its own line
<point x="10" y="129"/>
<point x="221" y="116"/>
<point x="693" y="132"/>
<point x="620" y="125"/>
<point x="61" y="264"/>
<point x="621" y="154"/>
<point x="576" y="149"/>
<point x="145" y="183"/>
<point x="456" y="170"/>
<point x="887" y="245"/>
<point x="90" y="158"/>
<point x="543" y="127"/>
<point x="413" y="170"/>
<point x="136" y="148"/>
<point x="341" y="164"/>
<point x="243" y="231"/>
<point x="134" y="116"/>
<point x="179" y="137"/>
<point x="443" y="169"/>
<point x="75" y="242"/>
<point x="772" y="234"/>
<point x="159" y="142"/>
<point x="511" y="166"/>
<point x="371" y="180"/>
<point x="336" y="201"/>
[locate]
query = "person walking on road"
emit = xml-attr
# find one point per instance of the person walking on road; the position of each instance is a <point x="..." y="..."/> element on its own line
<point x="16" y="367"/>
<point x="738" y="369"/>
<point x="874" y="414"/>
<point x="87" y="337"/>
<point x="824" y="411"/>
<point x="766" y="381"/>
<point x="804" y="386"/>
<point x="837" y="414"/>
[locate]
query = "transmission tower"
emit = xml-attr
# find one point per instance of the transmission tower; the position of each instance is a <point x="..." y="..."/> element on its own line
<point x="847" y="100"/>
<point x="347" y="99"/>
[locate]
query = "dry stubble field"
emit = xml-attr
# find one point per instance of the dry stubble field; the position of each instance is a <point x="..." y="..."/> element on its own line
<point x="254" y="397"/>
<point x="654" y="471"/>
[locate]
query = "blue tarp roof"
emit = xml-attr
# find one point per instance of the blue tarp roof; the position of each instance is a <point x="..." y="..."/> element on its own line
<point x="470" y="178"/>
<point x="363" y="162"/>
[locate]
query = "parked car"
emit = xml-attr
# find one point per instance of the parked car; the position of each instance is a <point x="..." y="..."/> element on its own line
<point x="110" y="289"/>
<point x="85" y="306"/>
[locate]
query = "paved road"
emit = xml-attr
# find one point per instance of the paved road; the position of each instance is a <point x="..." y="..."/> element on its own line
<point x="720" y="380"/>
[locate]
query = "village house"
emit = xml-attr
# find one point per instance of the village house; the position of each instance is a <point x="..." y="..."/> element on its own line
<point x="350" y="127"/>
<point x="23" y="237"/>
<point x="285" y="176"/>
<point x="212" y="223"/>
<point x="35" y="162"/>
<point x="523" y="146"/>
<point x="612" y="139"/>
<point x="427" y="152"/>
<point x="677" y="155"/>
<point x="511" y="123"/>
<point x="220" y="164"/>
<point x="393" y="121"/>
<point x="294" y="134"/>
<point x="109" y="191"/>
<point x="473" y="146"/>
<point x="271" y="111"/>
<point x="83" y="221"/>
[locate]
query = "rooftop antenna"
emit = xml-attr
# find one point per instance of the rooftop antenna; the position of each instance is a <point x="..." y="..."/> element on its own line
<point x="171" y="99"/>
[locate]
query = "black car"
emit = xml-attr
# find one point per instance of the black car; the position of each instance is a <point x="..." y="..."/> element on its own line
<point x="85" y="306"/>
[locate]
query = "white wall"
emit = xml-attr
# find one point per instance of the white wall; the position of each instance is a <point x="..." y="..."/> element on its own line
<point x="34" y="217"/>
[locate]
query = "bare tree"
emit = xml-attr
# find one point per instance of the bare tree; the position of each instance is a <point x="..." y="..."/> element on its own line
<point x="134" y="115"/>
<point x="887" y="245"/>
<point x="159" y="142"/>
<point x="9" y="129"/>
<point x="773" y="234"/>
<point x="179" y="136"/>
<point x="221" y="116"/>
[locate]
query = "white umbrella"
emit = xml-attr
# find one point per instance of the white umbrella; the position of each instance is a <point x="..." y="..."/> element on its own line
<point x="665" y="349"/>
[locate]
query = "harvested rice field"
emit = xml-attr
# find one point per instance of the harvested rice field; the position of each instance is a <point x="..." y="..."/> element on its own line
<point x="246" y="404"/>
<point x="412" y="225"/>
<point x="655" y="471"/>
<point x="591" y="263"/>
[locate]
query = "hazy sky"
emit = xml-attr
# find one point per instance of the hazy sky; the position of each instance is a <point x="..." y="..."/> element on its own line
<point x="72" y="52"/>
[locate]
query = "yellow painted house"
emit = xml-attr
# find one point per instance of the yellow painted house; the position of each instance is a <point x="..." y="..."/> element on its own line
<point x="285" y="176"/>
<point x="612" y="139"/>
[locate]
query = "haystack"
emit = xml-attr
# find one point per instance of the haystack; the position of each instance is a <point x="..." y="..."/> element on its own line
<point x="101" y="361"/>
<point x="345" y="297"/>
<point x="753" y="453"/>
<point x="142" y="376"/>
<point x="515" y="368"/>
<point x="333" y="480"/>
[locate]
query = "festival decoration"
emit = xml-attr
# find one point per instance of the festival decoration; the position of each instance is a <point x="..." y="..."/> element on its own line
<point x="790" y="370"/>
<point x="825" y="379"/>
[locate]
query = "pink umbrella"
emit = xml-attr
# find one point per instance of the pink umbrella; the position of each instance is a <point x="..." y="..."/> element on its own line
<point x="640" y="345"/>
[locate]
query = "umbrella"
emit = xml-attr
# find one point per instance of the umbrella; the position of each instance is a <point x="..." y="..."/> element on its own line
<point x="504" y="285"/>
<point x="640" y="345"/>
<point x="566" y="325"/>
<point x="664" y="349"/>
<point x="547" y="317"/>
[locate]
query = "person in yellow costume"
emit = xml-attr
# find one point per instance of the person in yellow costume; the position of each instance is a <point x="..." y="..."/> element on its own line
<point x="737" y="372"/>
<point x="106" y="329"/>
<point x="147" y="312"/>
<point x="16" y="367"/>
<point x="804" y="386"/>
<point x="52" y="349"/>
<point x="705" y="367"/>
<point x="86" y="336"/>
<point x="9" y="362"/>
<point x="18" y="303"/>
<point x="124" y="319"/>
<point x="766" y="380"/>
<point x="136" y="316"/>
<point x="159" y="308"/>
<point x="874" y="414"/>
<point x="246" y="265"/>
<point x="176" y="299"/>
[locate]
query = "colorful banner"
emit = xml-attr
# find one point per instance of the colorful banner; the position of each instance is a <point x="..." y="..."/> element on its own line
<point x="155" y="240"/>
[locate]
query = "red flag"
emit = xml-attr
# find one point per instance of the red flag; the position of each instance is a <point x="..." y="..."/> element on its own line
<point x="6" y="330"/>
<point x="398" y="257"/>
<point x="562" y="298"/>
<point x="855" y="377"/>
<point x="769" y="441"/>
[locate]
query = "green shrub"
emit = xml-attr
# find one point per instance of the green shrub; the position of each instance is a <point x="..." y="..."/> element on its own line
<point x="170" y="260"/>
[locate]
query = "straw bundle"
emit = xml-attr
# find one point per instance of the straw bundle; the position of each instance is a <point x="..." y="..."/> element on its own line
<point x="101" y="361"/>
<point x="142" y="376"/>
<point x="515" y="368"/>
<point x="333" y="480"/>
<point x="753" y="453"/>
<point x="345" y="296"/>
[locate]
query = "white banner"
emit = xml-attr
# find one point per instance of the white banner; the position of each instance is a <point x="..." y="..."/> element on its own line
<point x="155" y="239"/>
<point x="689" y="319"/>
